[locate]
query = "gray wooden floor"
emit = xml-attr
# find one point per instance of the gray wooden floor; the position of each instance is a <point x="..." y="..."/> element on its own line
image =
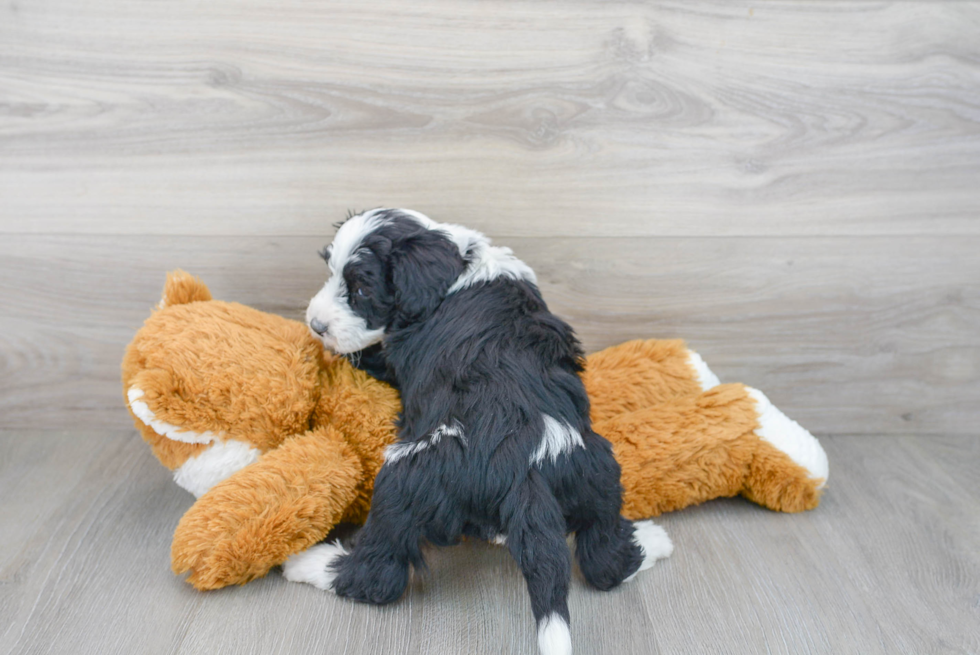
<point x="889" y="563"/>
<point x="791" y="185"/>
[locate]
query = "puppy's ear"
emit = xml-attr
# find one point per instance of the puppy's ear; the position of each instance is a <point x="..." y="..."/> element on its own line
<point x="379" y="244"/>
<point x="423" y="267"/>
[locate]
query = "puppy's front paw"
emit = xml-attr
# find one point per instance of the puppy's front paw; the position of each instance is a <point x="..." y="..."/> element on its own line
<point x="373" y="579"/>
<point x="316" y="566"/>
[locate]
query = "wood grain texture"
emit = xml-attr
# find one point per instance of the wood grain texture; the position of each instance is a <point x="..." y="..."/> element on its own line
<point x="888" y="563"/>
<point x="829" y="117"/>
<point x="847" y="335"/>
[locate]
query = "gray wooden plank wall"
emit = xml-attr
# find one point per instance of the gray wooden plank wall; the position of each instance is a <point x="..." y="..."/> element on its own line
<point x="844" y="335"/>
<point x="791" y="186"/>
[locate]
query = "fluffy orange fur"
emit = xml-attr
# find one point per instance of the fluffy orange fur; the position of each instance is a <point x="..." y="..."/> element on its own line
<point x="210" y="366"/>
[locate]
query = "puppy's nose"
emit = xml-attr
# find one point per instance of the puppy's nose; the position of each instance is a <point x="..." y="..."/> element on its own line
<point x="318" y="327"/>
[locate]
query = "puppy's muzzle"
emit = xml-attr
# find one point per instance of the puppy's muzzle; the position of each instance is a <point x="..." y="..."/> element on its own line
<point x="318" y="327"/>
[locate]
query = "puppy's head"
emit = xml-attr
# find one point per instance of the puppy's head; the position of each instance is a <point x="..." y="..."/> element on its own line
<point x="389" y="268"/>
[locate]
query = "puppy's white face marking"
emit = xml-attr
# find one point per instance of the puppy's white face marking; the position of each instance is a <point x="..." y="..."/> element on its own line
<point x="346" y="331"/>
<point x="558" y="438"/>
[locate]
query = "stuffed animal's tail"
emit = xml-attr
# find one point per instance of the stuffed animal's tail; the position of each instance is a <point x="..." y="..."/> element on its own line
<point x="182" y="288"/>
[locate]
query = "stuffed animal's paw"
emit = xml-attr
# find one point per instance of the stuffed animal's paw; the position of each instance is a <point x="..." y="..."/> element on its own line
<point x="257" y="518"/>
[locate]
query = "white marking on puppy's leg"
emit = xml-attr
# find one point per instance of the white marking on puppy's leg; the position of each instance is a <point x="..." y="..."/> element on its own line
<point x="653" y="541"/>
<point x="198" y="474"/>
<point x="499" y="539"/>
<point x="554" y="637"/>
<point x="706" y="378"/>
<point x="557" y="438"/>
<point x="315" y="565"/>
<point x="790" y="437"/>
<point x="164" y="429"/>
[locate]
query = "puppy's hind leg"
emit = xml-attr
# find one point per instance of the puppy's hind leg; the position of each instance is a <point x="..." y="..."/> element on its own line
<point x="609" y="555"/>
<point x="535" y="531"/>
<point x="610" y="549"/>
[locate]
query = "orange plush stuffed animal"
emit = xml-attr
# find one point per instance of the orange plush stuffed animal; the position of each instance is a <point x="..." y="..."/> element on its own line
<point x="280" y="441"/>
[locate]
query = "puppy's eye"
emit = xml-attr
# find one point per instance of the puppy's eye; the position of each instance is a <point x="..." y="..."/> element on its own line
<point x="360" y="291"/>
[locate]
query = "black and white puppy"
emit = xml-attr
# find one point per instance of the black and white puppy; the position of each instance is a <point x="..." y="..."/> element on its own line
<point x="495" y="440"/>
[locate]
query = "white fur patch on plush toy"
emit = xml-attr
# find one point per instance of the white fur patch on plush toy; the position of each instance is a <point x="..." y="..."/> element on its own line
<point x="706" y="378"/>
<point x="220" y="461"/>
<point x="790" y="437"/>
<point x="198" y="474"/>
<point x="314" y="565"/>
<point x="164" y="429"/>
<point x="653" y="541"/>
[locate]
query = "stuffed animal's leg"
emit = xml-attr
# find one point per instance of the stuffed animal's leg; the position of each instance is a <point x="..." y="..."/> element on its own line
<point x="640" y="374"/>
<point x="790" y="468"/>
<point x="723" y="442"/>
<point x="280" y="505"/>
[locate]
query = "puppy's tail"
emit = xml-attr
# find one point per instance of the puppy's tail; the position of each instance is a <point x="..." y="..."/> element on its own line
<point x="182" y="288"/>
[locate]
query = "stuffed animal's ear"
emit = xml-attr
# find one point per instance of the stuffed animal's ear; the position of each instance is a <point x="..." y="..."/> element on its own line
<point x="422" y="268"/>
<point x="182" y="288"/>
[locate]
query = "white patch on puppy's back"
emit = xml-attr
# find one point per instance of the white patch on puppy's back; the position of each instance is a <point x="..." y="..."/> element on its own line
<point x="220" y="461"/>
<point x="558" y="438"/>
<point x="402" y="449"/>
